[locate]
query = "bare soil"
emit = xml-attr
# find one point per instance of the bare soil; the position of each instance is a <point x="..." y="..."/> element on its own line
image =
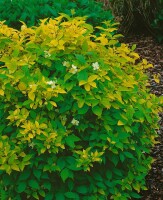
<point x="148" y="48"/>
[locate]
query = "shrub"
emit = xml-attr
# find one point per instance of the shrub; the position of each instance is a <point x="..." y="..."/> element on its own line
<point x="31" y="11"/>
<point x="139" y="16"/>
<point x="76" y="119"/>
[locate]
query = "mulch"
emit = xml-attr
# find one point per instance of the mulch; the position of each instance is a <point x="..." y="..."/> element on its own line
<point x="148" y="48"/>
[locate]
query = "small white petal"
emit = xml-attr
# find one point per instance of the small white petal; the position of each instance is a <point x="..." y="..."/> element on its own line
<point x="53" y="86"/>
<point x="49" y="82"/>
<point x="95" y="66"/>
<point x="75" y="122"/>
<point x="74" y="67"/>
<point x="65" y="63"/>
<point x="47" y="54"/>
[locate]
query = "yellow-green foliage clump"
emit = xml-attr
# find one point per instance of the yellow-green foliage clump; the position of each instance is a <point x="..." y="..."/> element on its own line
<point x="76" y="119"/>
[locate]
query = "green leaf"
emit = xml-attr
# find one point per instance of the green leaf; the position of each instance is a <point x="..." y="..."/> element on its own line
<point x="133" y="47"/>
<point x="27" y="102"/>
<point x="26" y="70"/>
<point x="49" y="196"/>
<point x="105" y="102"/>
<point x="59" y="196"/>
<point x="122" y="157"/>
<point x="83" y="110"/>
<point x="97" y="110"/>
<point x="70" y="184"/>
<point x="71" y="195"/>
<point x="61" y="163"/>
<point x="82" y="189"/>
<point x="27" y="158"/>
<point x="82" y="75"/>
<point x="24" y="175"/>
<point x="12" y="159"/>
<point x="33" y="114"/>
<point x="109" y="174"/>
<point x="42" y="193"/>
<point x="65" y="174"/>
<point x="47" y="185"/>
<point x="37" y="173"/>
<point x="71" y="139"/>
<point x="35" y="195"/>
<point x="3" y="76"/>
<point x="80" y="58"/>
<point x="68" y="76"/>
<point x="118" y="172"/>
<point x="33" y="184"/>
<point x="128" y="154"/>
<point x="21" y="187"/>
<point x="97" y="176"/>
<point x="115" y="159"/>
<point x="135" y="195"/>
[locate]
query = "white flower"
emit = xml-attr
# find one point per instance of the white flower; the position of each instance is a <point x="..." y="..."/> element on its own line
<point x="47" y="54"/>
<point x="74" y="69"/>
<point x="95" y="66"/>
<point x="75" y="122"/>
<point x="65" y="63"/>
<point x="52" y="83"/>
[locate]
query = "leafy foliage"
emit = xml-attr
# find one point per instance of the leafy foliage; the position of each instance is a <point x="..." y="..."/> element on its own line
<point x="157" y="23"/>
<point x="31" y="11"/>
<point x="76" y="119"/>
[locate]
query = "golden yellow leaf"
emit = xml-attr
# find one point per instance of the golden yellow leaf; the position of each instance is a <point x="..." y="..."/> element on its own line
<point x="15" y="167"/>
<point x="107" y="78"/>
<point x="93" y="84"/>
<point x="22" y="86"/>
<point x="135" y="55"/>
<point x="22" y="154"/>
<point x="141" y="101"/>
<point x="61" y="43"/>
<point x="31" y="135"/>
<point x="31" y="96"/>
<point x="37" y="124"/>
<point x="81" y="103"/>
<point x="92" y="78"/>
<point x="53" y="103"/>
<point x="120" y="123"/>
<point x="156" y="78"/>
<point x="61" y="91"/>
<point x="82" y="82"/>
<point x="145" y="62"/>
<point x="54" y="43"/>
<point x="149" y="104"/>
<point x="87" y="87"/>
<point x="1" y="92"/>
<point x="104" y="41"/>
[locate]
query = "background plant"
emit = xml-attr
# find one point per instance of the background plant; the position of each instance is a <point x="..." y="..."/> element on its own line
<point x="76" y="119"/>
<point x="31" y="11"/>
<point x="157" y="23"/>
<point x="139" y="16"/>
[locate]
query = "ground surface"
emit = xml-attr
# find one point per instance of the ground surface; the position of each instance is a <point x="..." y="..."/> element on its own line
<point x="148" y="48"/>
